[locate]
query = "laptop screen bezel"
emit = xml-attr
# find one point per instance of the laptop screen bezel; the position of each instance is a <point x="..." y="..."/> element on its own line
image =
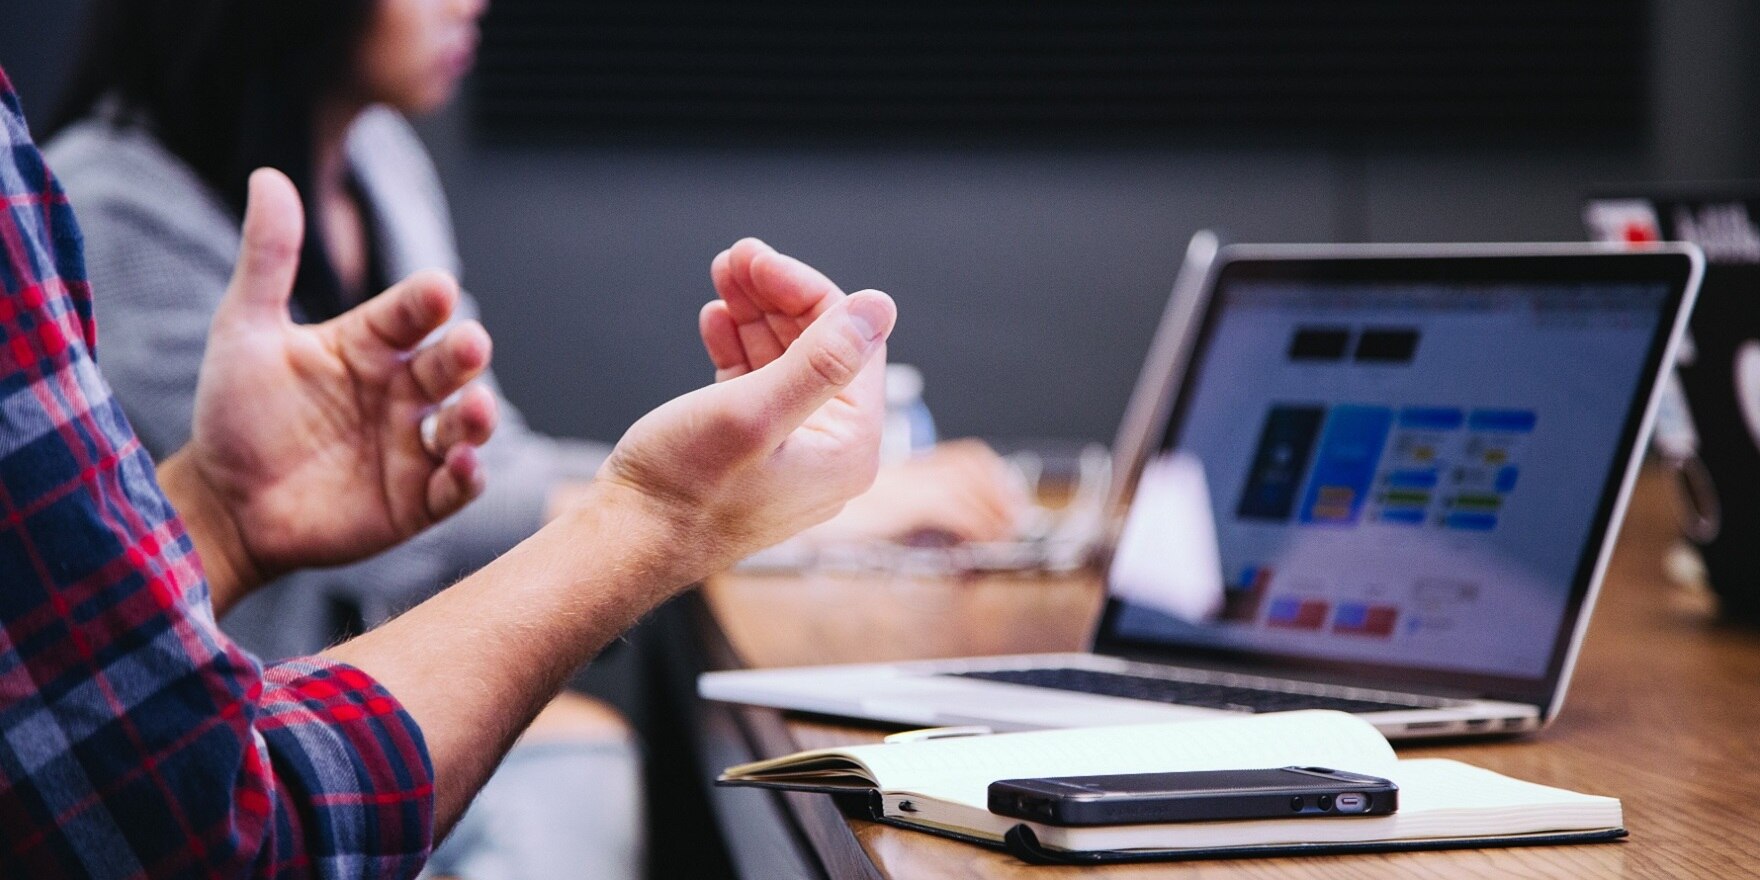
<point x="1579" y="264"/>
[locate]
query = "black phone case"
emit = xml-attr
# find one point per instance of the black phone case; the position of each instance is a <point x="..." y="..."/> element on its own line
<point x="1219" y="800"/>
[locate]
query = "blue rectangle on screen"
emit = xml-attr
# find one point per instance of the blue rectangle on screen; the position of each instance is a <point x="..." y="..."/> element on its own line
<point x="1350" y="614"/>
<point x="1249" y="578"/>
<point x="1431" y="418"/>
<point x="1472" y="522"/>
<point x="1405" y="516"/>
<point x="1344" y="467"/>
<point x="1512" y="420"/>
<point x="1284" y="610"/>
<point x="1413" y="479"/>
<point x="1286" y="443"/>
<point x="1506" y="478"/>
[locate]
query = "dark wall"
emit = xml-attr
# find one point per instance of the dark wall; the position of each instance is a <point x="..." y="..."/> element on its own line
<point x="36" y="39"/>
<point x="1028" y="282"/>
<point x="1029" y="279"/>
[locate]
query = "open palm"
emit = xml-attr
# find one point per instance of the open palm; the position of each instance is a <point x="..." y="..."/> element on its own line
<point x="312" y="435"/>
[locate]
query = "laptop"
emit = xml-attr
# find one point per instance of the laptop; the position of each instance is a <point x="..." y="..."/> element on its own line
<point x="1384" y="479"/>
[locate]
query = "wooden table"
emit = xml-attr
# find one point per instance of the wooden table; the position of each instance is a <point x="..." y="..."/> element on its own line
<point x="1664" y="713"/>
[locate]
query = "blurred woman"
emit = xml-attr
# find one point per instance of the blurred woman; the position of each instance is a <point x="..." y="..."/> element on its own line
<point x="171" y="106"/>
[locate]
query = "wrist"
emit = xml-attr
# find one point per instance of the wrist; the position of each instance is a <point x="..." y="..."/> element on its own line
<point x="653" y="536"/>
<point x="226" y="560"/>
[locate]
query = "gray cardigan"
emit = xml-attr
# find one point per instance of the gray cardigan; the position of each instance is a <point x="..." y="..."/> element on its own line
<point x="159" y="250"/>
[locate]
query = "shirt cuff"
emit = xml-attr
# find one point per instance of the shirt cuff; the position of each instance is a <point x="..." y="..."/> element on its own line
<point x="353" y="774"/>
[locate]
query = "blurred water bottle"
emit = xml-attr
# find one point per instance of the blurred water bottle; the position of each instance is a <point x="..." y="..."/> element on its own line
<point x="909" y="426"/>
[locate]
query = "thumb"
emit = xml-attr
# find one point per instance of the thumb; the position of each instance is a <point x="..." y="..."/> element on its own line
<point x="824" y="361"/>
<point x="268" y="256"/>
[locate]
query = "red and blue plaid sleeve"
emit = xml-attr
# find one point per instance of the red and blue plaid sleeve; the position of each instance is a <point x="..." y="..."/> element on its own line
<point x="135" y="740"/>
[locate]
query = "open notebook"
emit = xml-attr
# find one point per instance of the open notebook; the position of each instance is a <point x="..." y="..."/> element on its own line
<point x="941" y="786"/>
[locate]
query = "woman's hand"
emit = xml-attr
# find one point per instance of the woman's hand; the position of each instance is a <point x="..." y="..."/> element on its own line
<point x="960" y="490"/>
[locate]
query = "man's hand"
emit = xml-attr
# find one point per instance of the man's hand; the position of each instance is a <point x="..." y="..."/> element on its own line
<point x="307" y="447"/>
<point x="768" y="299"/>
<point x="791" y="433"/>
<point x="788" y="435"/>
<point x="961" y="489"/>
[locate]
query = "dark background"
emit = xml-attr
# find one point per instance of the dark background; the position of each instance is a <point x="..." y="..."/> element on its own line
<point x="601" y="157"/>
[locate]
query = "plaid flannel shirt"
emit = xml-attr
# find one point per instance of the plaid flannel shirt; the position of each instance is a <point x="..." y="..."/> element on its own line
<point x="135" y="739"/>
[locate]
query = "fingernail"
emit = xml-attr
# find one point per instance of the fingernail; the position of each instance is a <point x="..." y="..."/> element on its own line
<point x="869" y="315"/>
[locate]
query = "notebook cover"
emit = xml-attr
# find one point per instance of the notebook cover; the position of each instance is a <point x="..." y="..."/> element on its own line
<point x="1023" y="844"/>
<point x="797" y="786"/>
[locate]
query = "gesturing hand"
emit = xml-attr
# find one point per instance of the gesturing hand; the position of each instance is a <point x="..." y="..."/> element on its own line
<point x="767" y="301"/>
<point x="790" y="433"/>
<point x="308" y="439"/>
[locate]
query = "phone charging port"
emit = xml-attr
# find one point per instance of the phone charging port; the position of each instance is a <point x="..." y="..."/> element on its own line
<point x="1351" y="803"/>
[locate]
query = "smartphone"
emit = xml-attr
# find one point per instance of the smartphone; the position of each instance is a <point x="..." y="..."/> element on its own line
<point x="1198" y="796"/>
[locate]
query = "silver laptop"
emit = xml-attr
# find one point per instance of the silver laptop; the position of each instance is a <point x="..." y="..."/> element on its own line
<point x="1382" y="479"/>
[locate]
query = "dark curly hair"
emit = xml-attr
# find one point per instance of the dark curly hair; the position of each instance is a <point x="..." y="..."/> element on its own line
<point x="228" y="86"/>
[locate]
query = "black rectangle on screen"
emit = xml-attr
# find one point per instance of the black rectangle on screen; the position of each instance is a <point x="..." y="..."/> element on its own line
<point x="1388" y="345"/>
<point x="1319" y="343"/>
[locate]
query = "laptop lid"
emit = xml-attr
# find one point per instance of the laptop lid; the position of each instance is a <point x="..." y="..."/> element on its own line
<point x="1145" y="415"/>
<point x="1403" y="465"/>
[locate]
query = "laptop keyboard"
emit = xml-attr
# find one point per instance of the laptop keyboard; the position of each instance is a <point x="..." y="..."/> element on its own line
<point x="1185" y="693"/>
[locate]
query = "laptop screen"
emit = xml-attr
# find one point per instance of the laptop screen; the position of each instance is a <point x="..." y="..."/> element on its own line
<point x="1403" y="465"/>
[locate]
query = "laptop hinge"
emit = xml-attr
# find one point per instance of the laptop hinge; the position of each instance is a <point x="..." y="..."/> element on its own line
<point x="1290" y="672"/>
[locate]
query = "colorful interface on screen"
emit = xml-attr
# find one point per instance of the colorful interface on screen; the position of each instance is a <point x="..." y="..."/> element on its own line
<point x="1397" y="474"/>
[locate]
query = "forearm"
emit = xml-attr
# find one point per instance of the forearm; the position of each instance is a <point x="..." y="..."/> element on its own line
<point x="475" y="663"/>
<point x="231" y="573"/>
